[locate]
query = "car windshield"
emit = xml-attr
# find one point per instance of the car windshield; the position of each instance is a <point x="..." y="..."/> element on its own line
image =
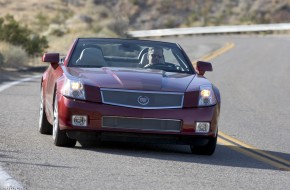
<point x="96" y="53"/>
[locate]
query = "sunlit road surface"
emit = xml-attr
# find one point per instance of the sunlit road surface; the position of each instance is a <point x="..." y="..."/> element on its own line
<point x="238" y="145"/>
<point x="253" y="149"/>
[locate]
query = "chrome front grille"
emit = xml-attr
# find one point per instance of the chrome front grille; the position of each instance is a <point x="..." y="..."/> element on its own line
<point x="144" y="124"/>
<point x="142" y="99"/>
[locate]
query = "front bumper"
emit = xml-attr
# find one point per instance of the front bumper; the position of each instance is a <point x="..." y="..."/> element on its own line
<point x="96" y="111"/>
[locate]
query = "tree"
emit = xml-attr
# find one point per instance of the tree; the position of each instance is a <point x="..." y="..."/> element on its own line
<point x="11" y="31"/>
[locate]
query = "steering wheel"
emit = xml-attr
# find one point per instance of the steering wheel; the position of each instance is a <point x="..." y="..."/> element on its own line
<point x="162" y="66"/>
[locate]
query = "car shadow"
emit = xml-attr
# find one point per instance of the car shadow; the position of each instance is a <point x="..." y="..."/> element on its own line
<point x="223" y="156"/>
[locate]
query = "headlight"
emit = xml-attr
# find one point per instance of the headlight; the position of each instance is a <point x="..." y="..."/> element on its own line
<point x="74" y="89"/>
<point x="206" y="96"/>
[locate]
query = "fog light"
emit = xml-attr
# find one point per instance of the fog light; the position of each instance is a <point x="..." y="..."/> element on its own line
<point x="80" y="120"/>
<point x="202" y="127"/>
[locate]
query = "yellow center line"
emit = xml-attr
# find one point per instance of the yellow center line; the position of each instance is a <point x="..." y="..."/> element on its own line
<point x="238" y="145"/>
<point x="242" y="144"/>
<point x="218" y="52"/>
<point x="253" y="154"/>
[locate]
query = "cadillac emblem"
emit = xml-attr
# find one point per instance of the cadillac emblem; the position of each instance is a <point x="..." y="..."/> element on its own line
<point x="143" y="100"/>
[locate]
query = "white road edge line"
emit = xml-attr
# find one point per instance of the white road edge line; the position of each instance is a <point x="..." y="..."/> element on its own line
<point x="6" y="181"/>
<point x="8" y="85"/>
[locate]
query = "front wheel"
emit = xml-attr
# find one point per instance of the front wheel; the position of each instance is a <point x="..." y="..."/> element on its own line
<point x="207" y="149"/>
<point x="44" y="127"/>
<point x="59" y="136"/>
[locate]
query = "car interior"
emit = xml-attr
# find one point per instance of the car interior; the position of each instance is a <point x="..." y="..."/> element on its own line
<point x="120" y="55"/>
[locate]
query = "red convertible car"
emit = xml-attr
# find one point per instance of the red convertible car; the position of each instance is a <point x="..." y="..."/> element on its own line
<point x="128" y="90"/>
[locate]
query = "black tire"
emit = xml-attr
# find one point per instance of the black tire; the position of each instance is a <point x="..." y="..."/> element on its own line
<point x="44" y="127"/>
<point x="59" y="136"/>
<point x="207" y="149"/>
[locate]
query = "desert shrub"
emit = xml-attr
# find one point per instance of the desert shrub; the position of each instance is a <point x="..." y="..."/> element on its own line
<point x="11" y="31"/>
<point x="12" y="55"/>
<point x="57" y="32"/>
<point x="62" y="16"/>
<point x="119" y="26"/>
<point x="42" y="21"/>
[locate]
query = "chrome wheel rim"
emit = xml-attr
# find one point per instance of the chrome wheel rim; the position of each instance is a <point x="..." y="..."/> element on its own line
<point x="40" y="111"/>
<point x="55" y="120"/>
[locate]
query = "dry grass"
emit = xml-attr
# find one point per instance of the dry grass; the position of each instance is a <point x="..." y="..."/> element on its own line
<point x="26" y="10"/>
<point x="59" y="21"/>
<point x="13" y="55"/>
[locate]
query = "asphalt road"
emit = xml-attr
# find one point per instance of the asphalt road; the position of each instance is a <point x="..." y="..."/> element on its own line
<point x="253" y="78"/>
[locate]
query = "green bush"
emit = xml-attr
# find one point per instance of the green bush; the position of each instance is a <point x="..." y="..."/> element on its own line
<point x="11" y="31"/>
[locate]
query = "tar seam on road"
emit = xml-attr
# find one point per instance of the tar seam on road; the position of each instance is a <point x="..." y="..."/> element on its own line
<point x="238" y="145"/>
<point x="6" y="181"/>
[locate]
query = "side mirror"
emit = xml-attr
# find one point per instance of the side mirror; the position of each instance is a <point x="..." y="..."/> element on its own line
<point x="50" y="57"/>
<point x="203" y="66"/>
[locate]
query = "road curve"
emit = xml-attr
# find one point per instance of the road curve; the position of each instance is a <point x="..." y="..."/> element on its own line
<point x="254" y="84"/>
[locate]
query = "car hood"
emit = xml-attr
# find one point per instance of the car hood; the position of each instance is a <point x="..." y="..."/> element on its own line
<point x="132" y="79"/>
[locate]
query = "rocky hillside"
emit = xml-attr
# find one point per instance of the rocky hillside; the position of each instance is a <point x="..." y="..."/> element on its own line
<point x="151" y="14"/>
<point x="140" y="14"/>
<point x="111" y="18"/>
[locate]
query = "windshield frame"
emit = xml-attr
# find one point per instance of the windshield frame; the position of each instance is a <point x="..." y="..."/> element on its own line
<point x="79" y="44"/>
